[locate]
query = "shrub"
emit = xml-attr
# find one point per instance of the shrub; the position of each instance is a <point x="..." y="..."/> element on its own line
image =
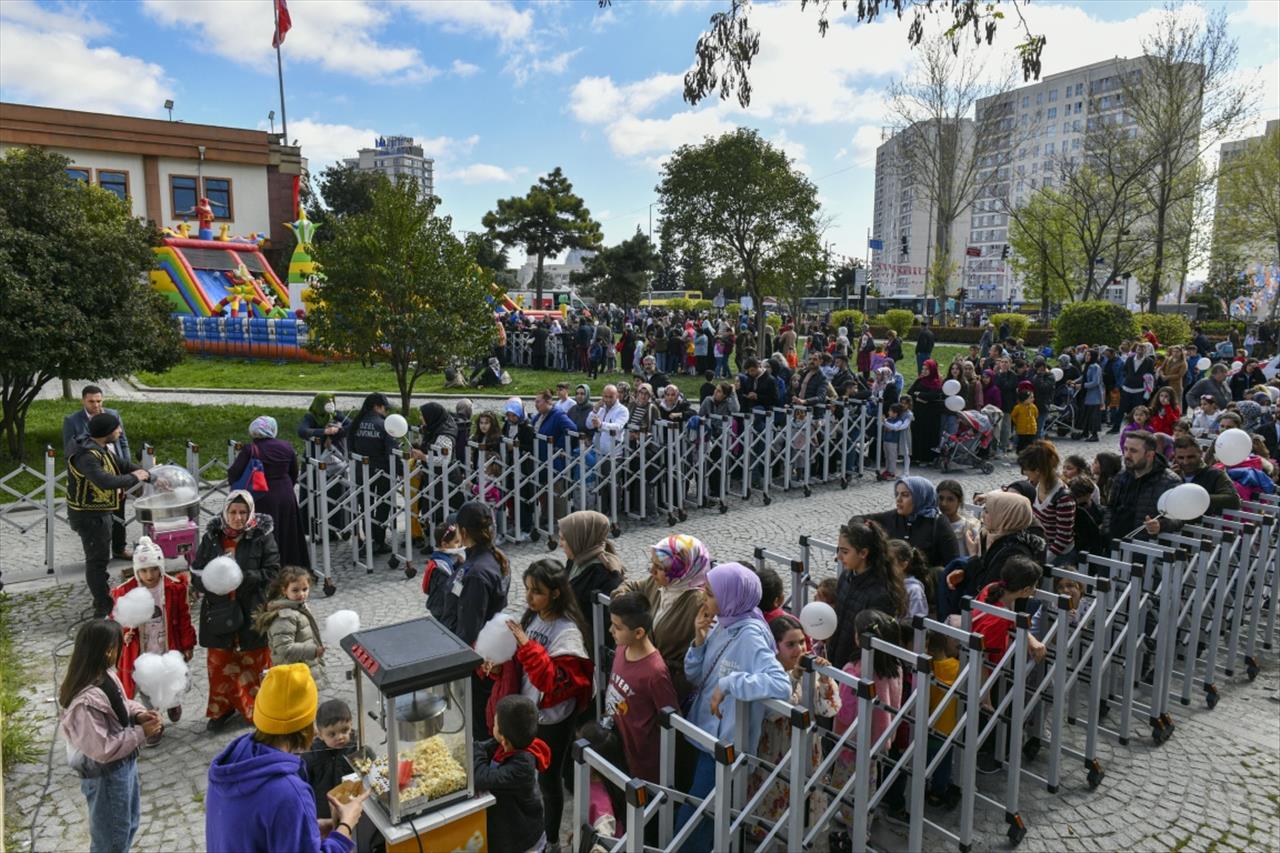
<point x="851" y="318"/>
<point x="1101" y="323"/>
<point x="1018" y="323"/>
<point x="774" y="321"/>
<point x="1222" y="328"/>
<point x="1170" y="329"/>
<point x="733" y="309"/>
<point x="680" y="304"/>
<point x="900" y="320"/>
<point x="702" y="305"/>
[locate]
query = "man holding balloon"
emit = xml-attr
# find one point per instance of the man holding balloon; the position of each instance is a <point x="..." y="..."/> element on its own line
<point x="1135" y="494"/>
<point x="1188" y="463"/>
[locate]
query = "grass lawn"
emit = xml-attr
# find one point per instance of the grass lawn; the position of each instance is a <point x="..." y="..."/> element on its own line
<point x="232" y="373"/>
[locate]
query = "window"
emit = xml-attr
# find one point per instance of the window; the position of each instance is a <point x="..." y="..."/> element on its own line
<point x="182" y="194"/>
<point x="1079" y="89"/>
<point x="1075" y="125"/>
<point x="1048" y="148"/>
<point x="1053" y="95"/>
<point x="76" y="173"/>
<point x="218" y="191"/>
<point x="1039" y="98"/>
<point x="116" y="183"/>
<point x="1075" y="143"/>
<point x="1026" y="101"/>
<point x="1052" y="112"/>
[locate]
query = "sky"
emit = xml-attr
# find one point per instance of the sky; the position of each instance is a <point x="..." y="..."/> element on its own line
<point x="500" y="92"/>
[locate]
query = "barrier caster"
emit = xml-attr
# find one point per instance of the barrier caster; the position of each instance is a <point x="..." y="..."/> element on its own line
<point x="844" y="482"/>
<point x="393" y="562"/>
<point x="1031" y="749"/>
<point x="1211" y="696"/>
<point x="1162" y="729"/>
<point x="671" y="519"/>
<point x="1251" y="668"/>
<point x="767" y="500"/>
<point x="551" y="544"/>
<point x="724" y="507"/>
<point x="987" y="468"/>
<point x="1096" y="774"/>
<point x="615" y="531"/>
<point x="1017" y="830"/>
<point x="683" y="516"/>
<point x="534" y="535"/>
<point x="409" y="570"/>
<point x="329" y="588"/>
<point x="807" y="491"/>
<point x="1103" y="709"/>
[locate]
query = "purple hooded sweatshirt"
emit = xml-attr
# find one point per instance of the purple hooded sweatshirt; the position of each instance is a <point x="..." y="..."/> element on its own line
<point x="259" y="800"/>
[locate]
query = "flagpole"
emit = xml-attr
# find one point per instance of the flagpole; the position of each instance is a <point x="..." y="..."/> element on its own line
<point x="284" y="122"/>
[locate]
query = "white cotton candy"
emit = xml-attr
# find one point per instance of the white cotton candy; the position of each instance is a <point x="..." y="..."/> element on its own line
<point x="496" y="643"/>
<point x="339" y="624"/>
<point x="162" y="677"/>
<point x="221" y="576"/>
<point x="135" y="607"/>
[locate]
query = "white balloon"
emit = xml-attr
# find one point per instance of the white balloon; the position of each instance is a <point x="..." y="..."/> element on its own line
<point x="818" y="620"/>
<point x="135" y="607"/>
<point x="1186" y="502"/>
<point x="955" y="403"/>
<point x="221" y="576"/>
<point x="1162" y="502"/>
<point x="1203" y="364"/>
<point x="495" y="642"/>
<point x="1237" y="366"/>
<point x="396" y="425"/>
<point x="339" y="624"/>
<point x="1057" y="374"/>
<point x="1232" y="447"/>
<point x="951" y="387"/>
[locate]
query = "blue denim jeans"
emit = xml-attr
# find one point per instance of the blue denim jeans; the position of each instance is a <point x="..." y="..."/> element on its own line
<point x="704" y="779"/>
<point x="115" y="808"/>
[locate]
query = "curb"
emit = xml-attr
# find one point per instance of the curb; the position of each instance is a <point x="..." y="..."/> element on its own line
<point x="267" y="392"/>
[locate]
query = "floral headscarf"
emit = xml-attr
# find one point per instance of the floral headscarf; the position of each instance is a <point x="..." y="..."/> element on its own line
<point x="263" y="426"/>
<point x="685" y="561"/>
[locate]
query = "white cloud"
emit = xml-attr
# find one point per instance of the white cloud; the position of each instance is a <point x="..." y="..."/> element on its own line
<point x="340" y="37"/>
<point x="496" y="18"/>
<point x="597" y="100"/>
<point x="483" y="173"/>
<point x="630" y="136"/>
<point x="463" y="69"/>
<point x="526" y="64"/>
<point x="324" y="144"/>
<point x="794" y="149"/>
<point x="46" y="57"/>
<point x="866" y="140"/>
<point x="1258" y="13"/>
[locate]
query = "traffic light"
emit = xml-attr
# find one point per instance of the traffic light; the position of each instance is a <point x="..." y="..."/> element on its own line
<point x="1004" y="253"/>
<point x="905" y="248"/>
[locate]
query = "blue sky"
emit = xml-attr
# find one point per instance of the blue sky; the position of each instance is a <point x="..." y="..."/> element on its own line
<point x="501" y="92"/>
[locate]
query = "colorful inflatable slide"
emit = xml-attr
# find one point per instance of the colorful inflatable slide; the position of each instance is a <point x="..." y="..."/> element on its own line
<point x="205" y="277"/>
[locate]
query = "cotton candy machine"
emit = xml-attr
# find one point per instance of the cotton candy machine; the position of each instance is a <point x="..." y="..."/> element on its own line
<point x="169" y="510"/>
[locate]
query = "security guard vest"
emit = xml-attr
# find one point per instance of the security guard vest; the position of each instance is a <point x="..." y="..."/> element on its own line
<point x="83" y="495"/>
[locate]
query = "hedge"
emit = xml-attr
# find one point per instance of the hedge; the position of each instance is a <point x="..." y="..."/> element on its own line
<point x="733" y="309"/>
<point x="1096" y="323"/>
<point x="774" y="321"/>
<point x="1018" y="323"/>
<point x="851" y="318"/>
<point x="1170" y="329"/>
<point x="965" y="334"/>
<point x="900" y="320"/>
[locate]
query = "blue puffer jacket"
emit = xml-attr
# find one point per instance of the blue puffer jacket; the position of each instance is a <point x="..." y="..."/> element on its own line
<point x="740" y="661"/>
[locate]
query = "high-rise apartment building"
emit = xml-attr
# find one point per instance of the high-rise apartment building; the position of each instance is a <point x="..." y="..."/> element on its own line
<point x="395" y="157"/>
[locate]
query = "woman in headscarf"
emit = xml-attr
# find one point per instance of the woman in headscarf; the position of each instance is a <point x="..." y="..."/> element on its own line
<point x="438" y="433"/>
<point x="732" y="657"/>
<point x="929" y="379"/>
<point x="678" y="568"/>
<point x="325" y="430"/>
<point x="1007" y="519"/>
<point x="238" y="655"/>
<point x="929" y="412"/>
<point x="579" y="411"/>
<point x="915" y="518"/>
<point x="280" y="465"/>
<point x="593" y="564"/>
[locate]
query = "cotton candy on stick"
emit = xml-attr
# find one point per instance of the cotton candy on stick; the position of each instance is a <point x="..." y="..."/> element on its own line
<point x="339" y="624"/>
<point x="162" y="677"/>
<point x="221" y="576"/>
<point x="135" y="607"/>
<point x="496" y="643"/>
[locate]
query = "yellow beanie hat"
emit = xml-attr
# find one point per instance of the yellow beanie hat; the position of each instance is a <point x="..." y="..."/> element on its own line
<point x="286" y="701"/>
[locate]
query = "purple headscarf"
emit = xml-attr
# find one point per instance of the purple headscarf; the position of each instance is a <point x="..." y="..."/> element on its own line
<point x="737" y="592"/>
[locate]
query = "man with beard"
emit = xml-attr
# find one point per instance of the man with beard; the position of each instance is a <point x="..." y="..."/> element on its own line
<point x="1188" y="463"/>
<point x="1137" y="490"/>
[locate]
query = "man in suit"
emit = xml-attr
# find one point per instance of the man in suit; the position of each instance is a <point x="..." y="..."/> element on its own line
<point x="76" y="425"/>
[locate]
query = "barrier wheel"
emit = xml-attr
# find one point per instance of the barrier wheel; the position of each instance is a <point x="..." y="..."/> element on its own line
<point x="1017" y="830"/>
<point x="724" y="507"/>
<point x="807" y="491"/>
<point x="1103" y="709"/>
<point x="844" y="482"/>
<point x="1211" y="696"/>
<point x="551" y="544"/>
<point x="1031" y="749"/>
<point x="767" y="500"/>
<point x="534" y="535"/>
<point x="682" y="515"/>
<point x="1251" y="668"/>
<point x="615" y="531"/>
<point x="329" y="588"/>
<point x="1096" y="774"/>
<point x="409" y="570"/>
<point x="987" y="467"/>
<point x="671" y="519"/>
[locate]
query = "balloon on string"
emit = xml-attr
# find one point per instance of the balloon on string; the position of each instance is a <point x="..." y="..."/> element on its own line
<point x="1057" y="374"/>
<point x="951" y="387"/>
<point x="1203" y="364"/>
<point x="955" y="403"/>
<point x="221" y="576"/>
<point x="1163" y="501"/>
<point x="396" y="426"/>
<point x="1186" y="502"/>
<point x="1232" y="447"/>
<point x="818" y="620"/>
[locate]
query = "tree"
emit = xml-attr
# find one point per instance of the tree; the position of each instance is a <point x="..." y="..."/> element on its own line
<point x="75" y="299"/>
<point x="400" y="288"/>
<point x="491" y="256"/>
<point x="796" y="271"/>
<point x="740" y="202"/>
<point x="1247" y="224"/>
<point x="620" y="274"/>
<point x="935" y="139"/>
<point x="343" y="191"/>
<point x="545" y="221"/>
<point x="1045" y="249"/>
<point x="724" y="53"/>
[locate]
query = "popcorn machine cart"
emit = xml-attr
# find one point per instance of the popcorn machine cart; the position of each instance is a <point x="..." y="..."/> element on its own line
<point x="413" y="713"/>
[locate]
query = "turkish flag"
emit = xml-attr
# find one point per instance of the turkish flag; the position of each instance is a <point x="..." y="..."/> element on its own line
<point x="283" y="23"/>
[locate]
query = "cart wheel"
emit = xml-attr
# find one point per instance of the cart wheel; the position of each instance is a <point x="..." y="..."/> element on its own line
<point x="1251" y="668"/>
<point x="987" y="467"/>
<point x="684" y="516"/>
<point x="724" y="507"/>
<point x="1211" y="696"/>
<point x="1096" y="774"/>
<point x="615" y="531"/>
<point x="409" y="570"/>
<point x="329" y="588"/>
<point x="1017" y="830"/>
<point x="767" y="500"/>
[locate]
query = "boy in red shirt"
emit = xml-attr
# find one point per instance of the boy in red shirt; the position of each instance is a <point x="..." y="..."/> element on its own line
<point x="639" y="685"/>
<point x="1018" y="579"/>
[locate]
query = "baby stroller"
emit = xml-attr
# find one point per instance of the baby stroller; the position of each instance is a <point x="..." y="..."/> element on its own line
<point x="970" y="444"/>
<point x="1064" y="413"/>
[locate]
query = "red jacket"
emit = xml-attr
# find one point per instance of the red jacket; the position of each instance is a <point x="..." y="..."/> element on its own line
<point x="557" y="678"/>
<point x="1164" y="420"/>
<point x="177" y="626"/>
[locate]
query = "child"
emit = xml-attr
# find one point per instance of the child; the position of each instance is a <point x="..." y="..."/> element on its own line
<point x="1205" y="420"/>
<point x="709" y="383"/>
<point x="945" y="653"/>
<point x="775" y="730"/>
<point x="288" y="625"/>
<point x="771" y="595"/>
<point x="1073" y="465"/>
<point x="826" y="593"/>
<point x="104" y="730"/>
<point x="1165" y="412"/>
<point x="1089" y="536"/>
<point x="552" y="667"/>
<point x="1136" y="420"/>
<point x="326" y="761"/>
<point x="563" y="401"/>
<point x="639" y="684"/>
<point x="511" y="766"/>
<point x="1018" y="579"/>
<point x="1024" y="416"/>
<point x="438" y="572"/>
<point x="170" y="625"/>
<point x="967" y="529"/>
<point x="492" y="479"/>
<point x="897" y="437"/>
<point x="909" y="563"/>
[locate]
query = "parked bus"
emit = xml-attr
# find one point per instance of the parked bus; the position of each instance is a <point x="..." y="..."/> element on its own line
<point x="662" y="298"/>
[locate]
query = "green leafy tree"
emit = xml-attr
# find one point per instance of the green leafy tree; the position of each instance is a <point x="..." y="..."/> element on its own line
<point x="740" y="202"/>
<point x="491" y="256"/>
<point x="400" y="288"/>
<point x="1247" y="224"/>
<point x="343" y="191"/>
<point x="75" y="299"/>
<point x="620" y="274"/>
<point x="1045" y="250"/>
<point x="545" y="221"/>
<point x="795" y="271"/>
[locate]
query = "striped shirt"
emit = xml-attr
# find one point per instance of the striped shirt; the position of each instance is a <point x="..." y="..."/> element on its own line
<point x="1057" y="515"/>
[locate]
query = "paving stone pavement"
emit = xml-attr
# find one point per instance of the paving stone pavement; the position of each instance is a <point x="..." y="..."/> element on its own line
<point x="1214" y="786"/>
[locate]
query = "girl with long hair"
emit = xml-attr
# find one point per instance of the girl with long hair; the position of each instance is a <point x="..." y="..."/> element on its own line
<point x="1053" y="507"/>
<point x="479" y="594"/>
<point x="867" y="581"/>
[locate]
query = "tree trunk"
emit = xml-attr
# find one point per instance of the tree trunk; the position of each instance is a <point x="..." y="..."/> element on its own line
<point x="537" y="284"/>
<point x="66" y="389"/>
